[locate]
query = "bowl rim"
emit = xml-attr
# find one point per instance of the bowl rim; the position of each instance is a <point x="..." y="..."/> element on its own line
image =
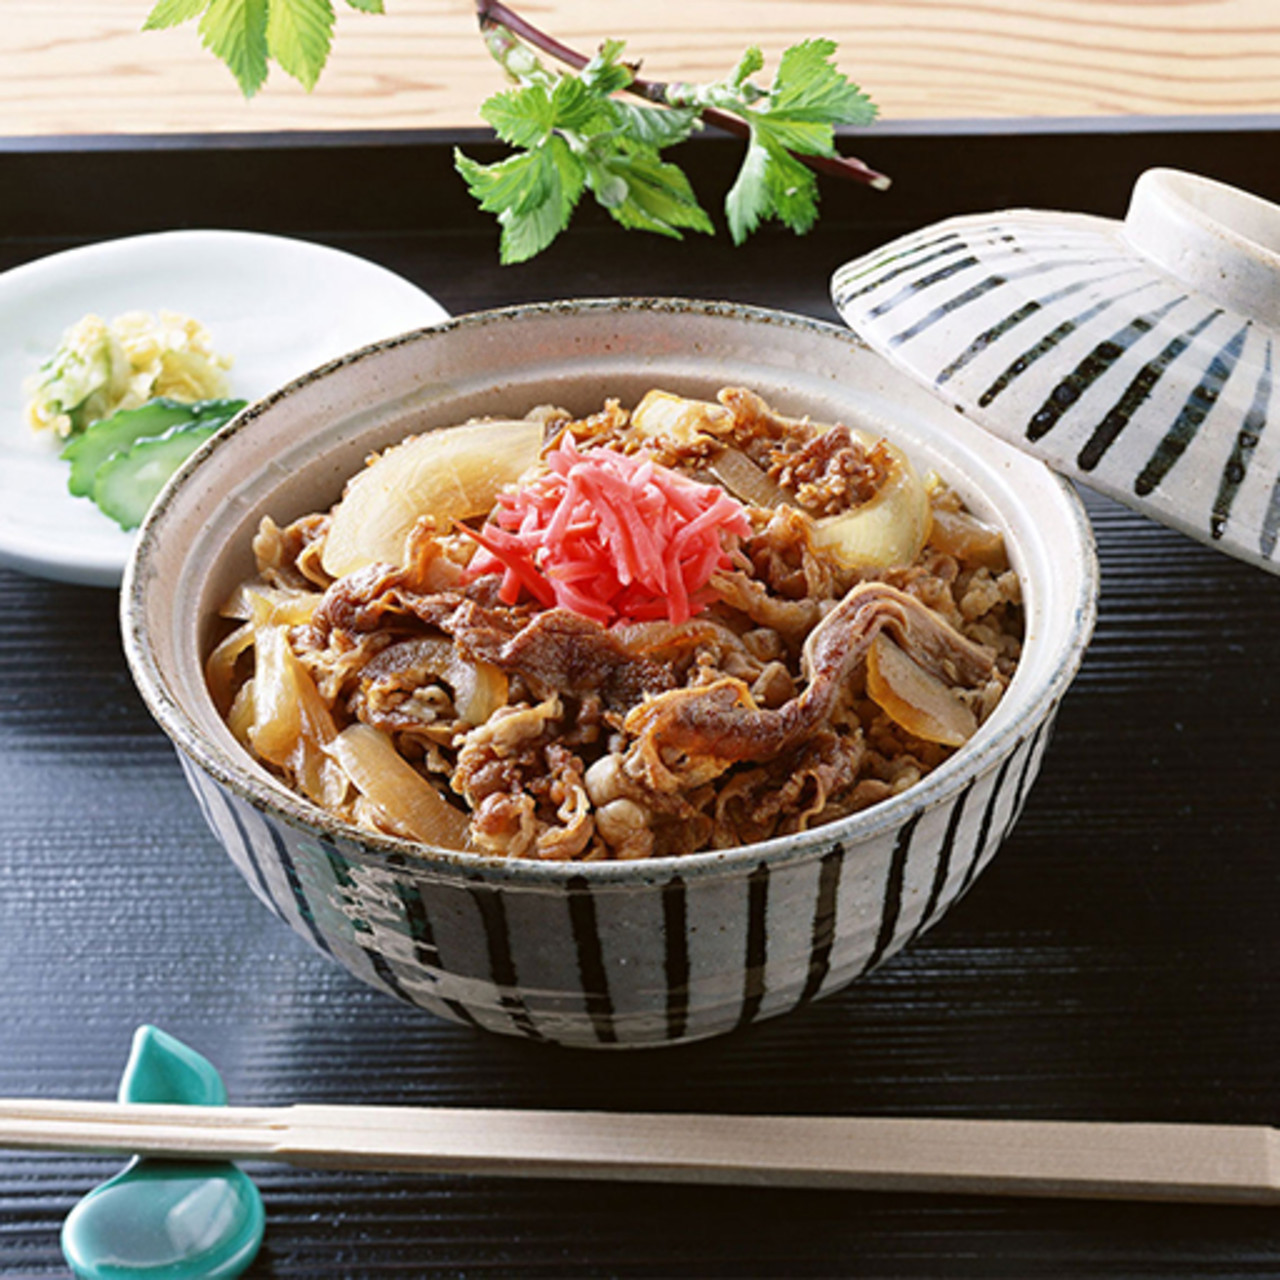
<point x="399" y="855"/>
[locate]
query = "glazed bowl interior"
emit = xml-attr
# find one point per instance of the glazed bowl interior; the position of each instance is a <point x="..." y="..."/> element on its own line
<point x="291" y="453"/>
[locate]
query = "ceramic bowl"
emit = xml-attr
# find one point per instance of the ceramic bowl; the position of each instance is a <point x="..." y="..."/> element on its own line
<point x="1137" y="356"/>
<point x="598" y="954"/>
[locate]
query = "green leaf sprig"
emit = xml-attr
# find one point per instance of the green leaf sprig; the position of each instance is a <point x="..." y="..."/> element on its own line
<point x="573" y="133"/>
<point x="597" y="128"/>
<point x="796" y="116"/>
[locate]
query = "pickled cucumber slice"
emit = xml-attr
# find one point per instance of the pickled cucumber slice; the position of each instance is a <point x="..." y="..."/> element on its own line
<point x="127" y="483"/>
<point x="108" y="436"/>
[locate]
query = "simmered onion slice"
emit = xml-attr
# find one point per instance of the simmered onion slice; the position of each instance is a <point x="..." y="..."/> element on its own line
<point x="452" y="474"/>
<point x="747" y="481"/>
<point x="405" y="798"/>
<point x="915" y="698"/>
<point x="676" y="418"/>
<point x="258" y="606"/>
<point x="291" y="723"/>
<point x="956" y="533"/>
<point x="479" y="688"/>
<point x="889" y="529"/>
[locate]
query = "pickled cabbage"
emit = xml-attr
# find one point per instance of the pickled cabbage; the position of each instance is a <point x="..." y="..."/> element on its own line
<point x="100" y="367"/>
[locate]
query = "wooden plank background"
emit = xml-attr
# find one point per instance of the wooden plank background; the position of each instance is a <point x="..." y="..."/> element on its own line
<point x="84" y="66"/>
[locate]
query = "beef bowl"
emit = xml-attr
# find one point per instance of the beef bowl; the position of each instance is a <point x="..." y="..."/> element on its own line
<point x="697" y="935"/>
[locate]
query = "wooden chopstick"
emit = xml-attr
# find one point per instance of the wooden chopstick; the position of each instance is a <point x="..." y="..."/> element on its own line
<point x="1207" y="1163"/>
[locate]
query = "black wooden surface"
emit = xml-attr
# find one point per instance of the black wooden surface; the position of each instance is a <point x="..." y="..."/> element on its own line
<point x="1118" y="961"/>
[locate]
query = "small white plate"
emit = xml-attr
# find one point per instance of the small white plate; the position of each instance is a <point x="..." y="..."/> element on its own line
<point x="278" y="307"/>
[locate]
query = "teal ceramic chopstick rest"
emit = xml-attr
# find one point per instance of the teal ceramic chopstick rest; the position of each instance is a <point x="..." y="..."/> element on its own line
<point x="167" y="1219"/>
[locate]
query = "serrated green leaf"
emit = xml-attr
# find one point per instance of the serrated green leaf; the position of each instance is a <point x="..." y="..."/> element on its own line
<point x="655" y="127"/>
<point x="809" y="86"/>
<point x="299" y="33"/>
<point x="609" y="54"/>
<point x="772" y="183"/>
<point x="520" y="117"/>
<point x="245" y="34"/>
<point x="513" y="183"/>
<point x="659" y="196"/>
<point x="529" y="229"/>
<point x="533" y="193"/>
<point x="527" y="117"/>
<point x="806" y="62"/>
<point x="792" y="190"/>
<point x="808" y="137"/>
<point x="751" y="62"/>
<point x="236" y="31"/>
<point x="575" y="106"/>
<point x="569" y="172"/>
<point x="169" y="13"/>
<point x="606" y="73"/>
<point x="748" y="201"/>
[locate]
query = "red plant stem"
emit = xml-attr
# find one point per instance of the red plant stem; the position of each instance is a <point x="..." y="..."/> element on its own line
<point x="495" y="13"/>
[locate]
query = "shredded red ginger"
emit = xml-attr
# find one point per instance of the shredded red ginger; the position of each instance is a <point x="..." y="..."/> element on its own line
<point x="610" y="536"/>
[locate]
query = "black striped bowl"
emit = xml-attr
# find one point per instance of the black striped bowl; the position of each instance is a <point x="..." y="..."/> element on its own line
<point x="623" y="954"/>
<point x="1137" y="356"/>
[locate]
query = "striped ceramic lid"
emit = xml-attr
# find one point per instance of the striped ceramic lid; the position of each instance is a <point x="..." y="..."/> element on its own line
<point x="1136" y="355"/>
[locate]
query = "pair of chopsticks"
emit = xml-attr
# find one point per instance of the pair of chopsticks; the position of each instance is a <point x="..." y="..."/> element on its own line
<point x="1207" y="1163"/>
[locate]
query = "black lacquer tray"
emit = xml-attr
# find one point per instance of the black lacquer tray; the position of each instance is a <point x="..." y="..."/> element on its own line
<point x="1118" y="961"/>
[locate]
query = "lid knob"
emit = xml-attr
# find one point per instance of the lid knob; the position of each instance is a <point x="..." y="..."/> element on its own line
<point x="1220" y="241"/>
